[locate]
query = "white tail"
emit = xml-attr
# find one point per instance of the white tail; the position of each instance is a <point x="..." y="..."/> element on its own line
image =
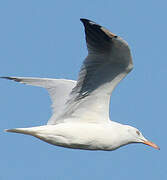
<point x="21" y="130"/>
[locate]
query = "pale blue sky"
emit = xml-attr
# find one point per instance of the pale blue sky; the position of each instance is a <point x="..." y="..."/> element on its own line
<point x="46" y="39"/>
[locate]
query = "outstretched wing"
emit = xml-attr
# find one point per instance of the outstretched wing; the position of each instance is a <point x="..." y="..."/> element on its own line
<point x="58" y="89"/>
<point x="108" y="62"/>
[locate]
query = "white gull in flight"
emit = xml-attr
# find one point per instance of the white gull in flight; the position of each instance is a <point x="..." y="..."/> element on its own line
<point x="80" y="117"/>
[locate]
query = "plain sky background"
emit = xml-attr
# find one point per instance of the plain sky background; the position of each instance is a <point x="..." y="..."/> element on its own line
<point x="46" y="39"/>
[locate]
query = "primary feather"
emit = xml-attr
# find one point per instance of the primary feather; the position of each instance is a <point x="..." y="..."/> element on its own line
<point x="108" y="62"/>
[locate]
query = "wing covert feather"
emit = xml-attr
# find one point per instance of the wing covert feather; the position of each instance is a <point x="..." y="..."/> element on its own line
<point x="108" y="62"/>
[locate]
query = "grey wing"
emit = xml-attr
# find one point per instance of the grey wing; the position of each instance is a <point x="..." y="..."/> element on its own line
<point x="58" y="89"/>
<point x="108" y="62"/>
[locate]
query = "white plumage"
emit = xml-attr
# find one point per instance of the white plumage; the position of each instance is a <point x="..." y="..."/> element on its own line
<point x="81" y="108"/>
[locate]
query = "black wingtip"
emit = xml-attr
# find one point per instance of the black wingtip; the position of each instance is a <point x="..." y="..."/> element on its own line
<point x="5" y="77"/>
<point x="87" y="22"/>
<point x="10" y="78"/>
<point x="84" y="21"/>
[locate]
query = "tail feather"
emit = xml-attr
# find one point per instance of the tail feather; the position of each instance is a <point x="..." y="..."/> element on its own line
<point x="21" y="130"/>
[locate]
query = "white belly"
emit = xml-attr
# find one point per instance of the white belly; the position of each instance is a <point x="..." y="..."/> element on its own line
<point x="79" y="135"/>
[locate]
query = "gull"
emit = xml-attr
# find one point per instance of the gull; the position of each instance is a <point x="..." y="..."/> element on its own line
<point x="80" y="118"/>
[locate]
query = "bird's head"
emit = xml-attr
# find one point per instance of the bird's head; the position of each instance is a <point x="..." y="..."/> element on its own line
<point x="137" y="137"/>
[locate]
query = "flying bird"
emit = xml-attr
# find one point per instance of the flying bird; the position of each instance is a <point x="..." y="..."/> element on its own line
<point x="80" y="118"/>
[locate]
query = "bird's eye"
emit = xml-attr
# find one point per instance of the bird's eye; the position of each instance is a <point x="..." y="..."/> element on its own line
<point x="138" y="133"/>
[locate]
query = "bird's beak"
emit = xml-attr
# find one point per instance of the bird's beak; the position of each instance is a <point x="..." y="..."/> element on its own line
<point x="149" y="143"/>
